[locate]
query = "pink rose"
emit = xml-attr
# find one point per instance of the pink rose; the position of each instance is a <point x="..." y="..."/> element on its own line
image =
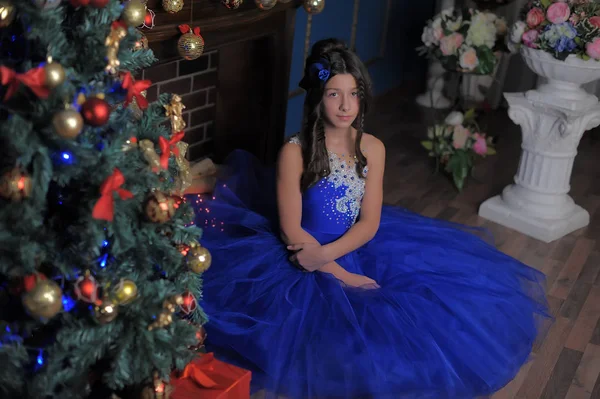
<point x="593" y="49"/>
<point x="451" y="43"/>
<point x="530" y="37"/>
<point x="460" y="136"/>
<point x="480" y="145"/>
<point x="535" y="16"/>
<point x="558" y="13"/>
<point x="468" y="59"/>
<point x="595" y="21"/>
<point x="574" y="19"/>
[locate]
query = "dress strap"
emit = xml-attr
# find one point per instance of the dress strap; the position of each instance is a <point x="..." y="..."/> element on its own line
<point x="295" y="139"/>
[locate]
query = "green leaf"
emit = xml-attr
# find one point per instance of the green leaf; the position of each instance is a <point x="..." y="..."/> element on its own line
<point x="490" y="151"/>
<point x="487" y="60"/>
<point x="546" y="3"/>
<point x="469" y="115"/>
<point x="428" y="145"/>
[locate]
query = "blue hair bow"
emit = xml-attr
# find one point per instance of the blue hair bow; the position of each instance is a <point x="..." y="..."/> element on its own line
<point x="318" y="73"/>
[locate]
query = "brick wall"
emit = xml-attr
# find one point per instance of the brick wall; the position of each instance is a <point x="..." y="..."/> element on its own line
<point x="196" y="82"/>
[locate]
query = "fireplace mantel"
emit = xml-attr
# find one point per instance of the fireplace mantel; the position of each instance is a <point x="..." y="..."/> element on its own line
<point x="218" y="25"/>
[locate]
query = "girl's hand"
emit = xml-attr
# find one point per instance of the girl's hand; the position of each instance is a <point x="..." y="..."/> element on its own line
<point x="359" y="281"/>
<point x="310" y="256"/>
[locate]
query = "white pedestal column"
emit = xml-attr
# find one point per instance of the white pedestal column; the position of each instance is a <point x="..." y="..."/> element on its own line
<point x="434" y="96"/>
<point x="538" y="204"/>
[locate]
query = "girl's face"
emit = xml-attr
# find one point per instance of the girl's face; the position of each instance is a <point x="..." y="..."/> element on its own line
<point x="340" y="101"/>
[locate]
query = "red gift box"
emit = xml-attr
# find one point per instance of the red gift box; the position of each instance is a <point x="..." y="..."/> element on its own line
<point x="208" y="378"/>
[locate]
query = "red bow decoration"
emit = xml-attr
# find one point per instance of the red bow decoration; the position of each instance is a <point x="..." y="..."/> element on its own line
<point x="166" y="147"/>
<point x="35" y="79"/>
<point x="135" y="89"/>
<point x="196" y="371"/>
<point x="118" y="24"/>
<point x="186" y="28"/>
<point x="105" y="206"/>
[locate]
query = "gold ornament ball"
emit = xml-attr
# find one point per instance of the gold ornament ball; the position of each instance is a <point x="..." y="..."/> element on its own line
<point x="68" y="123"/>
<point x="314" y="6"/>
<point x="44" y="301"/>
<point x="198" y="259"/>
<point x="172" y="6"/>
<point x="55" y="74"/>
<point x="232" y="4"/>
<point x="7" y="13"/>
<point x="265" y="4"/>
<point x="126" y="292"/>
<point x="134" y="13"/>
<point x="106" y="312"/>
<point x="15" y="185"/>
<point x="160" y="208"/>
<point x="190" y="46"/>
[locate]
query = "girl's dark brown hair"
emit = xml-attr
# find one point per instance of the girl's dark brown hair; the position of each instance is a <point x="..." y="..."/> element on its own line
<point x="328" y="58"/>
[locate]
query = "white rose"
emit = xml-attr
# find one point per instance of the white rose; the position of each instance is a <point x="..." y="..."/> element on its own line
<point x="454" y="118"/>
<point x="482" y="31"/>
<point x="516" y="31"/>
<point x="427" y="37"/>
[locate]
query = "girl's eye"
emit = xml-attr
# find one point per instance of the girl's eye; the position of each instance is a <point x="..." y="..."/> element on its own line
<point x="355" y="94"/>
<point x="332" y="94"/>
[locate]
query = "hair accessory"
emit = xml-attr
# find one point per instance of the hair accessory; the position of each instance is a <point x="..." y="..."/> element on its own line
<point x="318" y="73"/>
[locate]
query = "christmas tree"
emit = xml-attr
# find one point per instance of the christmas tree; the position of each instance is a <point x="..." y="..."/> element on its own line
<point x="100" y="267"/>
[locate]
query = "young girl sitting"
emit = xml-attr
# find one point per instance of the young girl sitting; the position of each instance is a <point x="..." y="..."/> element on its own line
<point x="323" y="292"/>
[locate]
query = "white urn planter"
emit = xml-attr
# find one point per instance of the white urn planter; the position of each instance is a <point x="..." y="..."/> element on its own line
<point x="553" y="118"/>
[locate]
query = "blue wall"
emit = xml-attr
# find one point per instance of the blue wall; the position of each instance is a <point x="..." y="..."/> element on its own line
<point x="399" y="63"/>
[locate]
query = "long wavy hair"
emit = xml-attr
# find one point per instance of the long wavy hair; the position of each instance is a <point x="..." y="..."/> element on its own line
<point x="328" y="58"/>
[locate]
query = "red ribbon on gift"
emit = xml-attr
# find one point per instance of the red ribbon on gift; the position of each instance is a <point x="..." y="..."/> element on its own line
<point x="186" y="28"/>
<point x="166" y="147"/>
<point x="105" y="206"/>
<point x="196" y="371"/>
<point x="35" y="79"/>
<point x="135" y="89"/>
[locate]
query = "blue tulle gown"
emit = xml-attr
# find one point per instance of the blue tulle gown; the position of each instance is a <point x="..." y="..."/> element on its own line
<point x="454" y="317"/>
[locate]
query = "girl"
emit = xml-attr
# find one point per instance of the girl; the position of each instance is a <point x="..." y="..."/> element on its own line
<point x="360" y="300"/>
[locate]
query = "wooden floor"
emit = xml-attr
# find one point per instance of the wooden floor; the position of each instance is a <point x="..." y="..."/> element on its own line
<point x="566" y="363"/>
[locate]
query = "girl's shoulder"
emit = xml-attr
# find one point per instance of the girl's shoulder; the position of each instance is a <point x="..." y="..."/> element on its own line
<point x="370" y="144"/>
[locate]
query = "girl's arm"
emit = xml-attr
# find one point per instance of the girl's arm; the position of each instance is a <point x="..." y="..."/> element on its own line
<point x="370" y="213"/>
<point x="289" y="203"/>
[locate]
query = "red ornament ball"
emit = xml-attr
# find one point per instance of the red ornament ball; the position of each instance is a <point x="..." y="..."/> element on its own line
<point x="99" y="3"/>
<point x="189" y="303"/>
<point x="86" y="288"/>
<point x="149" y="19"/>
<point x="95" y="111"/>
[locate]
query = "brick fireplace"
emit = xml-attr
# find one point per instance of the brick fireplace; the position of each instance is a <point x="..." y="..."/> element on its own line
<point x="236" y="93"/>
<point x="196" y="82"/>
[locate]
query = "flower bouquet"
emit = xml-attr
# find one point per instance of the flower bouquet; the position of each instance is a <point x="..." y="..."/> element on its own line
<point x="464" y="41"/>
<point x="561" y="28"/>
<point x="456" y="143"/>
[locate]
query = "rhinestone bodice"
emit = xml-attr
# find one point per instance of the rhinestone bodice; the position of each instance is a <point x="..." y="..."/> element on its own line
<point x="333" y="204"/>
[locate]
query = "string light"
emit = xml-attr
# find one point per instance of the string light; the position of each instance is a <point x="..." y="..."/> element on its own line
<point x="103" y="260"/>
<point x="40" y="358"/>
<point x="68" y="303"/>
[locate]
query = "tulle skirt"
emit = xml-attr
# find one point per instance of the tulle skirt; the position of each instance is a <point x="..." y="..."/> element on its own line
<point x="454" y="317"/>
